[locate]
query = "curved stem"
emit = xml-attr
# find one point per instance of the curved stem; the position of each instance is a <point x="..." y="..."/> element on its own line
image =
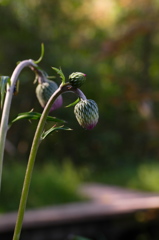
<point x="31" y="161"/>
<point x="37" y="137"/>
<point x="7" y="105"/>
<point x="79" y="93"/>
<point x="76" y="91"/>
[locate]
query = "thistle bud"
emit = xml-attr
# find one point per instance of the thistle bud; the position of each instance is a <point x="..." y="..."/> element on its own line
<point x="77" y="79"/>
<point x="86" y="112"/>
<point x="45" y="90"/>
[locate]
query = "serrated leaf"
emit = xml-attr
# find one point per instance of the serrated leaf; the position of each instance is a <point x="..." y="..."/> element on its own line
<point x="46" y="133"/>
<point x="35" y="116"/>
<point x="59" y="71"/>
<point x="3" y="82"/>
<point x="74" y="103"/>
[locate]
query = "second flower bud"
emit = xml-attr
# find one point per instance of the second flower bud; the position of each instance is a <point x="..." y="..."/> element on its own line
<point x="77" y="79"/>
<point x="86" y="112"/>
<point x="45" y="90"/>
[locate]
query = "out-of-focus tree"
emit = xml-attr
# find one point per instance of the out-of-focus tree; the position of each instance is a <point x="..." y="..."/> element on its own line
<point x="115" y="42"/>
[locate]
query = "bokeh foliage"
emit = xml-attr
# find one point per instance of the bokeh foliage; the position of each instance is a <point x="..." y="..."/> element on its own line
<point x="116" y="43"/>
<point x="51" y="184"/>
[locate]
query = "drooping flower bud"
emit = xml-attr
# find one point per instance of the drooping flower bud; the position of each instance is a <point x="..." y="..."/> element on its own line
<point x="86" y="112"/>
<point x="77" y="79"/>
<point x="45" y="90"/>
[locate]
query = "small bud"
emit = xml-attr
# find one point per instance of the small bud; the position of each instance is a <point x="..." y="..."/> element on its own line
<point x="86" y="112"/>
<point x="45" y="90"/>
<point x="77" y="79"/>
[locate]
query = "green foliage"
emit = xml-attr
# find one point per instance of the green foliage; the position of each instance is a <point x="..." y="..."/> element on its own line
<point x="4" y="80"/>
<point x="41" y="55"/>
<point x="74" y="103"/>
<point x="117" y="48"/>
<point x="35" y="116"/>
<point x="76" y="237"/>
<point x="142" y="176"/>
<point x="51" y="184"/>
<point x="59" y="71"/>
<point x="51" y="130"/>
<point x="57" y="184"/>
<point x="147" y="177"/>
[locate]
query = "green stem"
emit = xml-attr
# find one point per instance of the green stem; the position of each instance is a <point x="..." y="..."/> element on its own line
<point x="37" y="137"/>
<point x="31" y="160"/>
<point x="7" y="105"/>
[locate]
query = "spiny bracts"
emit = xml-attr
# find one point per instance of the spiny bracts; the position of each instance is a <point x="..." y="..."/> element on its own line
<point x="76" y="79"/>
<point x="86" y="112"/>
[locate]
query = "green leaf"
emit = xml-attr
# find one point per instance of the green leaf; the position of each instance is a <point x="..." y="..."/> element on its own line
<point x="59" y="71"/>
<point x="3" y="82"/>
<point x="46" y="133"/>
<point x="41" y="55"/>
<point x="35" y="116"/>
<point x="74" y="103"/>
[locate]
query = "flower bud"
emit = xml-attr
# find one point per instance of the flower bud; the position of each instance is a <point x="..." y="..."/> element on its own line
<point x="86" y="112"/>
<point x="77" y="79"/>
<point x="45" y="90"/>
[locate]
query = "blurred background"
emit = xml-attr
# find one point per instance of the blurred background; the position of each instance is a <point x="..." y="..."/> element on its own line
<point x="116" y="43"/>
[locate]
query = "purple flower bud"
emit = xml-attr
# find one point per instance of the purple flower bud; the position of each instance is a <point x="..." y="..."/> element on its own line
<point x="45" y="90"/>
<point x="77" y="79"/>
<point x="86" y="112"/>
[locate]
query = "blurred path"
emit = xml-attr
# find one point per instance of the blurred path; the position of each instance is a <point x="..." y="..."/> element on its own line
<point x="103" y="201"/>
<point x="110" y="210"/>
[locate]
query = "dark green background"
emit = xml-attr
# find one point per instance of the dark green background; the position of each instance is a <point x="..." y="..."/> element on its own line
<point x="117" y="46"/>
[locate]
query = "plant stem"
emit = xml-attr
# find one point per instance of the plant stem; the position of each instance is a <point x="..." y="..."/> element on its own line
<point x="37" y="137"/>
<point x="79" y="93"/>
<point x="31" y="161"/>
<point x="7" y="105"/>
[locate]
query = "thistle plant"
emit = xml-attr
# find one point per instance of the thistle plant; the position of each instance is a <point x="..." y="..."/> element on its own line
<point x="49" y="95"/>
<point x="77" y="79"/>
<point x="44" y="90"/>
<point x="86" y="112"/>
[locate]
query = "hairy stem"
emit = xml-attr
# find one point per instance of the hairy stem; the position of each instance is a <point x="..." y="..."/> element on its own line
<point x="37" y="137"/>
<point x="31" y="160"/>
<point x="80" y="94"/>
<point x="7" y="105"/>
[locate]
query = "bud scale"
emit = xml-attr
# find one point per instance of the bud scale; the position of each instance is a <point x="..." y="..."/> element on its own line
<point x="86" y="112"/>
<point x="77" y="79"/>
<point x="45" y="90"/>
